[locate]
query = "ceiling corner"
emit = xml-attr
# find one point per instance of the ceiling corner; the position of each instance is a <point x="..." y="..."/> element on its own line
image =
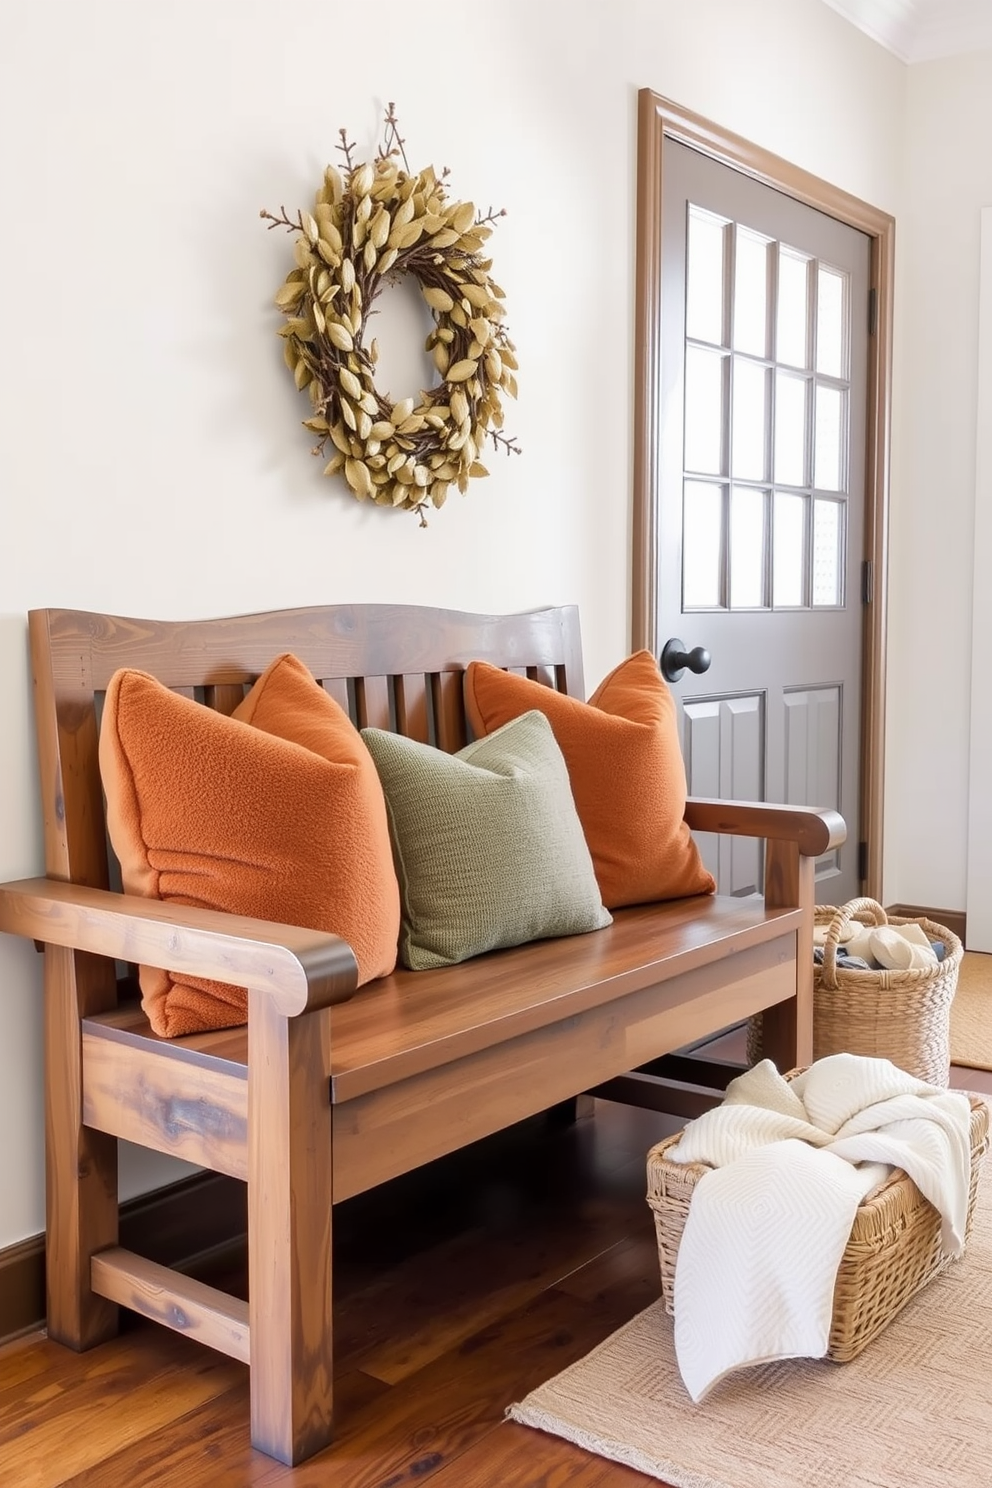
<point x="922" y="30"/>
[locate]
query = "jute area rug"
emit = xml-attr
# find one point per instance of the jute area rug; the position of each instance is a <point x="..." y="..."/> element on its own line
<point x="914" y="1410"/>
<point x="971" y="1013"/>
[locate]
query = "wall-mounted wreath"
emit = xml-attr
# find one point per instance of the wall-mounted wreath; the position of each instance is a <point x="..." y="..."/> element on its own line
<point x="371" y="223"/>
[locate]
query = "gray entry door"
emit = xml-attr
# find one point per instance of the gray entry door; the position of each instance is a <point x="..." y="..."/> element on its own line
<point x="761" y="530"/>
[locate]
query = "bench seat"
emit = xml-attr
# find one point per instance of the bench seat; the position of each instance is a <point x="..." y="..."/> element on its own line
<point x="404" y="1049"/>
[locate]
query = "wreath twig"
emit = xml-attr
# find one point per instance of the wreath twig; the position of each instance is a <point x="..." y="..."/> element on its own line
<point x="369" y="225"/>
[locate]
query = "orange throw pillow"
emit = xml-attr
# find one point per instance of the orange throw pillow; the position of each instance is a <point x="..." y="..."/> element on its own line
<point x="276" y="812"/>
<point x="626" y="769"/>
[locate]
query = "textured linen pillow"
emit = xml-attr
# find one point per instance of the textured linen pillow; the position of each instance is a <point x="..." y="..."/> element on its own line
<point x="626" y="769"/>
<point x="276" y="812"/>
<point x="488" y="847"/>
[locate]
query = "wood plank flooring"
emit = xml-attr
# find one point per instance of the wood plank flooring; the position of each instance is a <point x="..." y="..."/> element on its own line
<point x="458" y="1289"/>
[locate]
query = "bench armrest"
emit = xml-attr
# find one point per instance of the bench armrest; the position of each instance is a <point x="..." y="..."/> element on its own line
<point x="815" y="831"/>
<point x="298" y="969"/>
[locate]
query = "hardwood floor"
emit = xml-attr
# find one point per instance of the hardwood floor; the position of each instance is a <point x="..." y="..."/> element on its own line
<point x="459" y="1288"/>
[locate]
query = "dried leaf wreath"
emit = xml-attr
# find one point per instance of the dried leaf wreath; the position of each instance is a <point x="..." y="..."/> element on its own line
<point x="371" y="223"/>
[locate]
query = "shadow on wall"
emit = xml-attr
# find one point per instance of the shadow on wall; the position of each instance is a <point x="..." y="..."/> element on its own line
<point x="22" y="1166"/>
<point x="21" y="837"/>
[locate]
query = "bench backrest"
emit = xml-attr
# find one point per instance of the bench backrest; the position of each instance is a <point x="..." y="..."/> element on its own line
<point x="390" y="666"/>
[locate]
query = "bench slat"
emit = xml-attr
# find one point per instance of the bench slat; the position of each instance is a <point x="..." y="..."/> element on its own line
<point x="449" y="711"/>
<point x="373" y="702"/>
<point x="412" y="715"/>
<point x="337" y="688"/>
<point x="224" y="698"/>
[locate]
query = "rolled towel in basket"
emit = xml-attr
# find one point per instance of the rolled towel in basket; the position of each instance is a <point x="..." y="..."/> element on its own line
<point x="848" y="932"/>
<point x="860" y="943"/>
<point x="895" y="951"/>
<point x="914" y="933"/>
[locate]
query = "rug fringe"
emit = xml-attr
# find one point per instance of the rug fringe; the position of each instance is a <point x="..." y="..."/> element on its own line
<point x="529" y="1414"/>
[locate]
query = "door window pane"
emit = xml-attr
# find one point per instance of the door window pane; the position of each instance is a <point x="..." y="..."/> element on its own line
<point x="704" y="411"/>
<point x="765" y="466"/>
<point x="750" y="419"/>
<point x="790" y="429"/>
<point x="747" y="548"/>
<point x="831" y="320"/>
<point x="828" y="431"/>
<point x="826" y="552"/>
<point x="793" y="307"/>
<point x="751" y="293"/>
<point x="788" y="549"/>
<point x="705" y="277"/>
<point x="702" y="545"/>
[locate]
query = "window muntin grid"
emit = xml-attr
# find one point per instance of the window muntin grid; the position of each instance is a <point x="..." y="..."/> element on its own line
<point x="766" y="422"/>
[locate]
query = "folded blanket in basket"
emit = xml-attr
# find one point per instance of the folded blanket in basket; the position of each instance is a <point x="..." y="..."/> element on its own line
<point x="791" y="1162"/>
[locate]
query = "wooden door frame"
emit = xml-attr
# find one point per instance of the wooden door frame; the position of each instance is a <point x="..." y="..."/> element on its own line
<point x="659" y="120"/>
<point x="979" y="861"/>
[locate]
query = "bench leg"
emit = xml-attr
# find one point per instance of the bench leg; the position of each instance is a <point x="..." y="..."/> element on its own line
<point x="289" y="1231"/>
<point x="567" y="1112"/>
<point x="80" y="1163"/>
<point x="787" y="1028"/>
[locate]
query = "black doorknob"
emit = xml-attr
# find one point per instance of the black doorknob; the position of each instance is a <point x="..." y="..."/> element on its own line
<point x="675" y="659"/>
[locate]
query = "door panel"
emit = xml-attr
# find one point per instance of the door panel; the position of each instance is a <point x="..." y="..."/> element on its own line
<point x="813" y="747"/>
<point x="724" y="755"/>
<point x="761" y="512"/>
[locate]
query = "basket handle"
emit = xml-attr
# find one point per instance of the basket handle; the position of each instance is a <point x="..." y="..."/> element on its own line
<point x="846" y="913"/>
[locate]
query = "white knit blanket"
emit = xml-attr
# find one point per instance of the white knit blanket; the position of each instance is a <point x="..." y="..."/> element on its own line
<point x="791" y="1162"/>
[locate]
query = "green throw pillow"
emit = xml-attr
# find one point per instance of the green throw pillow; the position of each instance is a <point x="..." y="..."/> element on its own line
<point x="489" y="849"/>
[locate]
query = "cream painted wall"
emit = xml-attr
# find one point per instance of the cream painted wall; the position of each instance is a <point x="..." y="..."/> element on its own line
<point x="949" y="180"/>
<point x="151" y="457"/>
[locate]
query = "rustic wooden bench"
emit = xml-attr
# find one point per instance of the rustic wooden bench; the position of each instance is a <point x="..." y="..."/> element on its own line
<point x="326" y="1094"/>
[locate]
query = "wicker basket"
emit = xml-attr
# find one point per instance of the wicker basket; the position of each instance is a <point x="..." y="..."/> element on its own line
<point x="894" y="1248"/>
<point x="904" y="1016"/>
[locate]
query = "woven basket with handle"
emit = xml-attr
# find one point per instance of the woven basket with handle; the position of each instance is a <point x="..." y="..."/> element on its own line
<point x="904" y="1016"/>
<point x="893" y="1251"/>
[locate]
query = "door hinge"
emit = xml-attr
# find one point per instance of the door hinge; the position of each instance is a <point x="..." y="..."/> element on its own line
<point x="867" y="581"/>
<point x="862" y="861"/>
<point x="872" y="311"/>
